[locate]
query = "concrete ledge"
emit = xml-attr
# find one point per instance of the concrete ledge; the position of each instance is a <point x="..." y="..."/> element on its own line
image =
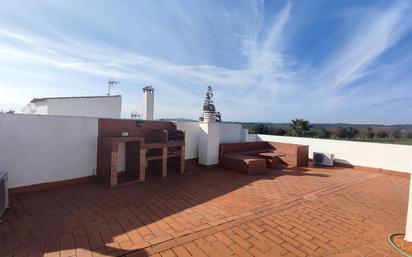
<point x="369" y="169"/>
<point x="376" y="170"/>
<point x="50" y="185"/>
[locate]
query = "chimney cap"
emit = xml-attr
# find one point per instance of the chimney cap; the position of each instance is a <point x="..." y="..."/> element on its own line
<point x="148" y="89"/>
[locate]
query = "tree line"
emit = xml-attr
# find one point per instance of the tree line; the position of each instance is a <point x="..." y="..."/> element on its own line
<point x="303" y="128"/>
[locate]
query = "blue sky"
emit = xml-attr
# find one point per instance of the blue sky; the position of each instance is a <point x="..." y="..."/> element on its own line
<point x="326" y="61"/>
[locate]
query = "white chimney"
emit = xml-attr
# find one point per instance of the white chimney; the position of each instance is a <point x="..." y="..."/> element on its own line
<point x="148" y="103"/>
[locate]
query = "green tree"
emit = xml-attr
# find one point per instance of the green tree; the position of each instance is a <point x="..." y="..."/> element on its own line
<point x="352" y="133"/>
<point x="280" y="132"/>
<point x="369" y="133"/>
<point x="299" y="128"/>
<point x="259" y="128"/>
<point x="208" y="104"/>
<point x="397" y="134"/>
<point x="320" y="133"/>
<point x="342" y="133"/>
<point x="218" y="117"/>
<point x="382" y="134"/>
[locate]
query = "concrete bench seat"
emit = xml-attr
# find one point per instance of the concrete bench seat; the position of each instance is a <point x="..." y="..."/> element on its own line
<point x="255" y="151"/>
<point x="248" y="157"/>
<point x="244" y="163"/>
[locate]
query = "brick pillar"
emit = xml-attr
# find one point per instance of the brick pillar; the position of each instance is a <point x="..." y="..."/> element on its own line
<point x="164" y="162"/>
<point x="142" y="165"/>
<point x="113" y="170"/>
<point x="182" y="160"/>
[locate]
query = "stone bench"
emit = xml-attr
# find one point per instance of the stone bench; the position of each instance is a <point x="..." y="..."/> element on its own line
<point x="238" y="156"/>
<point x="244" y="163"/>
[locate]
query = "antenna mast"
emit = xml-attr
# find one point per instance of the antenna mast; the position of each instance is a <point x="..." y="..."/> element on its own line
<point x="134" y="115"/>
<point x="111" y="83"/>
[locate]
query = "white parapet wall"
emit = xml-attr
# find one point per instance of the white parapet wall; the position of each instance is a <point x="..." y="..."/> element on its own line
<point x="209" y="139"/>
<point x="192" y="130"/>
<point x="408" y="228"/>
<point x="231" y="133"/>
<point x="93" y="106"/>
<point x="374" y="155"/>
<point x="39" y="149"/>
<point x="227" y="133"/>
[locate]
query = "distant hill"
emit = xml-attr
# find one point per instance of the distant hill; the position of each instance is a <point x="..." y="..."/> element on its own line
<point x="377" y="127"/>
<point x="405" y="127"/>
<point x="177" y="119"/>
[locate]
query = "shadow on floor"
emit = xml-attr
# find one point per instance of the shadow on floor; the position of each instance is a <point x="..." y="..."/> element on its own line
<point x="88" y="216"/>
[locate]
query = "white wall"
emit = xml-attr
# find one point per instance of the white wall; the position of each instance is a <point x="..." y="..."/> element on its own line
<point x="101" y="107"/>
<point x="230" y="133"/>
<point x="35" y="108"/>
<point x="250" y="137"/>
<point x="209" y="139"/>
<point x="375" y="155"/>
<point x="408" y="227"/>
<point x="191" y="129"/>
<point x="37" y="148"/>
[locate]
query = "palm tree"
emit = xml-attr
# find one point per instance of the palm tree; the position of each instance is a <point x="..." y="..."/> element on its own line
<point x="299" y="128"/>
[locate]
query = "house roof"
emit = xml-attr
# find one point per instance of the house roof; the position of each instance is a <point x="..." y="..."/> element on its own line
<point x="35" y="100"/>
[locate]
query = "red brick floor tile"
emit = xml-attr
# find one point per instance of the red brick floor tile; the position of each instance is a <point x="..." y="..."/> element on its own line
<point x="214" y="212"/>
<point x="180" y="251"/>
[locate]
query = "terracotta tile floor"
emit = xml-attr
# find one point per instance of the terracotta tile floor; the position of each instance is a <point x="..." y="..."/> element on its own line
<point x="213" y="212"/>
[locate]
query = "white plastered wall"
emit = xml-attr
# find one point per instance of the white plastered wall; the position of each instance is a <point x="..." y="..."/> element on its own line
<point x="209" y="139"/>
<point x="228" y="133"/>
<point x="192" y="130"/>
<point x="375" y="155"/>
<point x="38" y="149"/>
<point x="100" y="107"/>
<point x="408" y="229"/>
<point x="231" y="133"/>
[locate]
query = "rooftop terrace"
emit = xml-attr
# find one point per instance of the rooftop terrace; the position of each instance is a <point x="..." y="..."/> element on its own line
<point x="213" y="212"/>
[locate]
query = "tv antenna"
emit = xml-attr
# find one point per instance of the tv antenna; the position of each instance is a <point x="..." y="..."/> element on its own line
<point x="111" y="83"/>
<point x="134" y="115"/>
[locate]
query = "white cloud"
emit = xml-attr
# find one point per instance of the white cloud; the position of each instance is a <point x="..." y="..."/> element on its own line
<point x="379" y="31"/>
<point x="103" y="62"/>
<point x="271" y="85"/>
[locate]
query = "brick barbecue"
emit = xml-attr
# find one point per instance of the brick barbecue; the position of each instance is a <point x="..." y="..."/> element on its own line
<point x="150" y="146"/>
